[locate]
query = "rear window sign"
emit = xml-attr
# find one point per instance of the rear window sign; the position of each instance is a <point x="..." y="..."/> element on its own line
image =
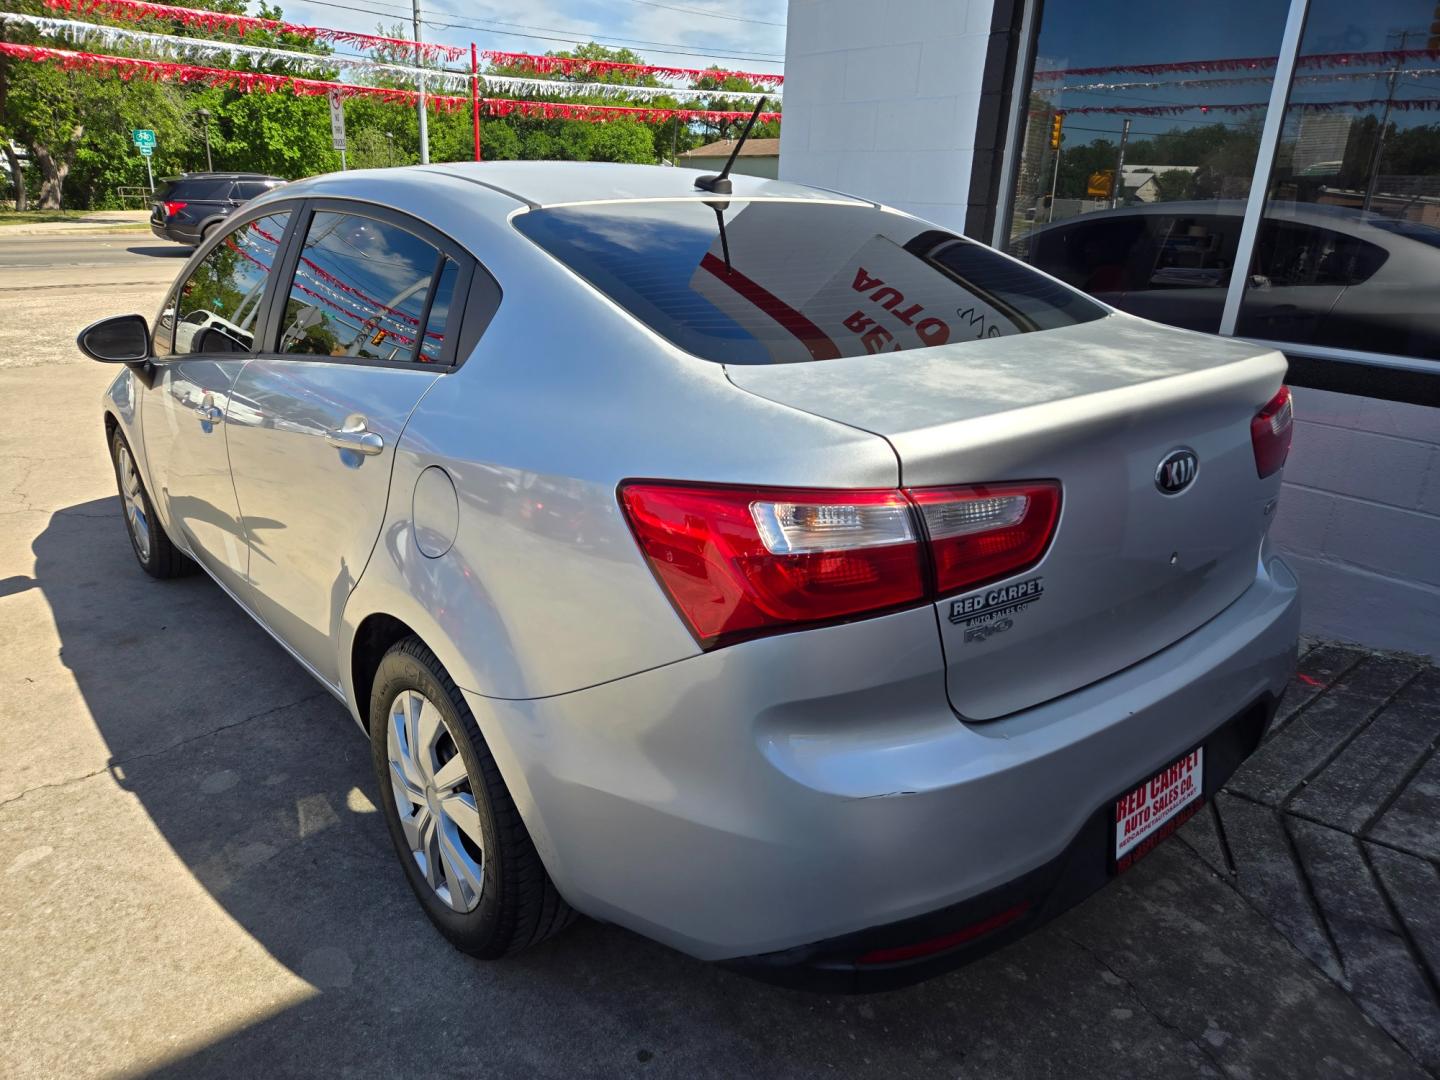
<point x="901" y="303"/>
<point x="881" y="299"/>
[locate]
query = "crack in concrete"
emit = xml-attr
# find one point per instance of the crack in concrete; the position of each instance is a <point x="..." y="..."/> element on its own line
<point x="1164" y="1022"/>
<point x="118" y="763"/>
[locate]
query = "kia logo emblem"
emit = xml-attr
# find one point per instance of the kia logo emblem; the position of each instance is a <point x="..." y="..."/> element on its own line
<point x="1176" y="472"/>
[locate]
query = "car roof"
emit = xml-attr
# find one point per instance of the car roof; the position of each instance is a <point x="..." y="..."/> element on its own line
<point x="222" y="176"/>
<point x="554" y="183"/>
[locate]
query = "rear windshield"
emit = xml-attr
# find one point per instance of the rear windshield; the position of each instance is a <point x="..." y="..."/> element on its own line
<point x="797" y="281"/>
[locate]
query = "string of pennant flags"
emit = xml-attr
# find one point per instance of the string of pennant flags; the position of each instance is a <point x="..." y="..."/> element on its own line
<point x="129" y="67"/>
<point x="170" y="47"/>
<point x="137" y="10"/>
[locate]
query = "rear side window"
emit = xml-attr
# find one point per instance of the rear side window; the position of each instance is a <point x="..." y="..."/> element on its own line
<point x="201" y="189"/>
<point x="744" y="282"/>
<point x="362" y="289"/>
<point x="248" y="189"/>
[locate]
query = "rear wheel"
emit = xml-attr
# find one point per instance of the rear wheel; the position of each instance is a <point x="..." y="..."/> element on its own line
<point x="463" y="847"/>
<point x="157" y="556"/>
<point x="209" y="231"/>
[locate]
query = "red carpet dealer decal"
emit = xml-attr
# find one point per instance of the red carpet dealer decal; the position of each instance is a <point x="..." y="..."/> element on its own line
<point x="988" y="613"/>
<point x="1157" y="808"/>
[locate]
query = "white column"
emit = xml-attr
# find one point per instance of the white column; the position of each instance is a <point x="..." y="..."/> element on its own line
<point x="881" y="100"/>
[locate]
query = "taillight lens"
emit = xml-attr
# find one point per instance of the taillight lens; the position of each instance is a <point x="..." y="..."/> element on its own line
<point x="742" y="561"/>
<point x="173" y="208"/>
<point x="739" y="562"/>
<point x="986" y="531"/>
<point x="1270" y="432"/>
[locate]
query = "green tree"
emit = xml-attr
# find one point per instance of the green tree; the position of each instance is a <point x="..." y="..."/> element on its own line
<point x="1174" y="185"/>
<point x="623" y="140"/>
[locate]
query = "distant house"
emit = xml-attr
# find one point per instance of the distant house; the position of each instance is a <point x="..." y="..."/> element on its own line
<point x="758" y="157"/>
<point x="1139" y="180"/>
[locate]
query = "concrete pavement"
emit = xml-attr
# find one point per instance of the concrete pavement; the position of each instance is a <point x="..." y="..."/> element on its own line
<point x="194" y="880"/>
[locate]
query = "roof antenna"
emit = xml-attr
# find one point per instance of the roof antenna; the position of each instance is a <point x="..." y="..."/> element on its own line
<point x="720" y="183"/>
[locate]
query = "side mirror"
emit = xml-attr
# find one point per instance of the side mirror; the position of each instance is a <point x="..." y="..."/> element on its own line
<point x="120" y="339"/>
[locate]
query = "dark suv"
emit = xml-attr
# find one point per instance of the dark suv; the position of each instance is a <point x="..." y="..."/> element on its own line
<point x="190" y="207"/>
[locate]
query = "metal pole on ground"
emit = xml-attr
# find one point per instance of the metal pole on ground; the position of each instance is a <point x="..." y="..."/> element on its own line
<point x="420" y="86"/>
<point x="1117" y="189"/>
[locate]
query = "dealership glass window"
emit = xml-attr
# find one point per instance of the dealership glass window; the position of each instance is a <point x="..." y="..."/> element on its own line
<point x="1348" y="254"/>
<point x="1140" y="141"/>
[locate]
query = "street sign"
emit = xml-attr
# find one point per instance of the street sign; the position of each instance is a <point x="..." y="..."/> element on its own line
<point x="1100" y="184"/>
<point x="146" y="151"/>
<point x="144" y="138"/>
<point x="337" y="120"/>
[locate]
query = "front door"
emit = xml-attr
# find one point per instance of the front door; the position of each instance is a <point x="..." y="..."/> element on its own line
<point x="360" y="340"/>
<point x="202" y="343"/>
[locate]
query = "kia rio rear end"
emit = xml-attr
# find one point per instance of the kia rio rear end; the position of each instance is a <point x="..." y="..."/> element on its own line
<point x="775" y="574"/>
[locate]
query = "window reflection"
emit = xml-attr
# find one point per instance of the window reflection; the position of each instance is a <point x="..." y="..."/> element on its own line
<point x="360" y="290"/>
<point x="1158" y="117"/>
<point x="1349" y="255"/>
<point x="219" y="303"/>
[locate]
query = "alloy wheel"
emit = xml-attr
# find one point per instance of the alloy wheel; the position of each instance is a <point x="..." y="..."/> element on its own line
<point x="435" y="800"/>
<point x="136" y="520"/>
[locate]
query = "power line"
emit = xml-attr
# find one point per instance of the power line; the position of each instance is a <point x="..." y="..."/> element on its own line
<point x="707" y="14"/>
<point x="547" y="34"/>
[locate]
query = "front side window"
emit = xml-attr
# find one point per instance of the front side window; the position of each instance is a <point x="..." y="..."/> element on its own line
<point x="362" y="289"/>
<point x="219" y="304"/>
<point x="1139" y="148"/>
<point x="766" y="282"/>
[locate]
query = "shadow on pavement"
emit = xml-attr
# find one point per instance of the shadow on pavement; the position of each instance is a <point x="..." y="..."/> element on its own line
<point x="162" y="251"/>
<point x="261" y="785"/>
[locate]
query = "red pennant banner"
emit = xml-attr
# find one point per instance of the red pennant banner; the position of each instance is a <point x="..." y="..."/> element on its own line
<point x="1250" y="63"/>
<point x="565" y="65"/>
<point x="138" y="10"/>
<point x="128" y="67"/>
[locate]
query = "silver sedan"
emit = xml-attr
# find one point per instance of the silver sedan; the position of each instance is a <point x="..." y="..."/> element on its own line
<point x="768" y="571"/>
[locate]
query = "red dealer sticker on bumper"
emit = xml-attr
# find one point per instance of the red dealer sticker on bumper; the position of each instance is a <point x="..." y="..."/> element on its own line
<point x="1157" y="808"/>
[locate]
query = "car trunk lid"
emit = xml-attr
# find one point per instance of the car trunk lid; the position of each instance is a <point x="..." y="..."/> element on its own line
<point x="1097" y="406"/>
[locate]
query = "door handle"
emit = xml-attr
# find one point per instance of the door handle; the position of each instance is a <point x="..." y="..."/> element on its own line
<point x="209" y="414"/>
<point x="354" y="436"/>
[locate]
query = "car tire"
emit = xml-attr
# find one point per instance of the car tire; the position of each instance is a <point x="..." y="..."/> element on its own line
<point x="157" y="556"/>
<point x="501" y="900"/>
<point x="207" y="232"/>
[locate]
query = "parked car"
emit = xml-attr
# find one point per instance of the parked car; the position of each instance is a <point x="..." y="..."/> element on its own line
<point x="190" y="208"/>
<point x="777" y="575"/>
<point x="1323" y="275"/>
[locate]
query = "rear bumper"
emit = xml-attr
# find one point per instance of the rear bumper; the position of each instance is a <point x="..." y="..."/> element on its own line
<point x="775" y="802"/>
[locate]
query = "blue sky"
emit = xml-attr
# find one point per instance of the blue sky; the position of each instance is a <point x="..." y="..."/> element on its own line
<point x="739" y="34"/>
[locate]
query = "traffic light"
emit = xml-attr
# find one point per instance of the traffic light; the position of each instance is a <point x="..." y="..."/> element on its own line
<point x="1057" y="123"/>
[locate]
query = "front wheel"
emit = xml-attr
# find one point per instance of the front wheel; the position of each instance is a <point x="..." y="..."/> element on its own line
<point x="157" y="556"/>
<point x="464" y="849"/>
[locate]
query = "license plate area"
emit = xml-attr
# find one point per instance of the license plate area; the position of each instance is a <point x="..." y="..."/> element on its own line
<point x="1153" y="811"/>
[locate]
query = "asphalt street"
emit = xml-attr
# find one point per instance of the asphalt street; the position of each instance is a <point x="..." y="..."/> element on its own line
<point x="194" y="880"/>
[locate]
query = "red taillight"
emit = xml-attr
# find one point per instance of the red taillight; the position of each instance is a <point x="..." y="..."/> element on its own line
<point x="173" y="208"/>
<point x="739" y="562"/>
<point x="988" y="531"/>
<point x="824" y="555"/>
<point x="1270" y="431"/>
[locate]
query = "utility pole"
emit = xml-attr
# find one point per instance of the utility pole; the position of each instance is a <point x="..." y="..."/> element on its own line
<point x="420" y="85"/>
<point x="204" y="115"/>
<point x="1118" y="187"/>
<point x="1374" y="177"/>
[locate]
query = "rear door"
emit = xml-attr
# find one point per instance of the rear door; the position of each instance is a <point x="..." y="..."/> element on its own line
<point x="202" y="341"/>
<point x="368" y="324"/>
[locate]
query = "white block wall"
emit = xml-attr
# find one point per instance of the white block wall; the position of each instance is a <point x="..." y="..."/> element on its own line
<point x="881" y="100"/>
<point x="1359" y="520"/>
